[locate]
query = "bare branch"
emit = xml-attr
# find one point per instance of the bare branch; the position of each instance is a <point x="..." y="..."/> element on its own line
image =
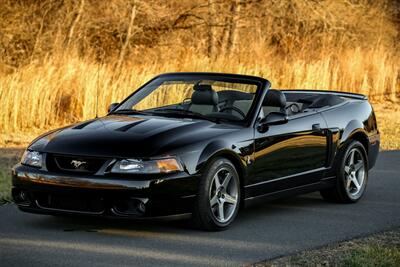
<point x="75" y="22"/>
<point x="128" y="37"/>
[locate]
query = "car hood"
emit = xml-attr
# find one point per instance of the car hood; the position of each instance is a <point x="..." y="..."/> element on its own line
<point x="129" y="136"/>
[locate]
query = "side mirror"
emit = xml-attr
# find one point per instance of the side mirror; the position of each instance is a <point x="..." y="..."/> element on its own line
<point x="112" y="107"/>
<point x="273" y="118"/>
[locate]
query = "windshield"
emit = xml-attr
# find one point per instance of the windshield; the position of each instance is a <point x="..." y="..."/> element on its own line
<point x="200" y="98"/>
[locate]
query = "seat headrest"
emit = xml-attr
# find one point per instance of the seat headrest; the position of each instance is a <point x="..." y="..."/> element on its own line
<point x="205" y="97"/>
<point x="275" y="98"/>
<point x="202" y="87"/>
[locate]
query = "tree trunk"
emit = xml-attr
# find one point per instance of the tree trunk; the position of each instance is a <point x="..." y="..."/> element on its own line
<point x="210" y="34"/>
<point x="128" y="37"/>
<point x="231" y="40"/>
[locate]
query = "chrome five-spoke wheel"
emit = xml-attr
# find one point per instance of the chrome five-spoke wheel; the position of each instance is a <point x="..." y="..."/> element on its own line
<point x="354" y="172"/>
<point x="218" y="198"/>
<point x="223" y="195"/>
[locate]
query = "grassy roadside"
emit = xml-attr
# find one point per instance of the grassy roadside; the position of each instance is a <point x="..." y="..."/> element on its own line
<point x="8" y="157"/>
<point x="5" y="185"/>
<point x="382" y="249"/>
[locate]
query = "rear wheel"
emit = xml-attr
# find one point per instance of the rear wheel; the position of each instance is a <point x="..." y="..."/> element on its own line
<point x="218" y="197"/>
<point x="352" y="175"/>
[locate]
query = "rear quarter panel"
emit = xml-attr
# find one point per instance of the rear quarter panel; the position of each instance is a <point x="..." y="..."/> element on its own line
<point x="354" y="119"/>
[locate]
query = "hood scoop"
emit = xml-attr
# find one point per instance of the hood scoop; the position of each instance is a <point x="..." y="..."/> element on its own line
<point x="83" y="124"/>
<point x="129" y="126"/>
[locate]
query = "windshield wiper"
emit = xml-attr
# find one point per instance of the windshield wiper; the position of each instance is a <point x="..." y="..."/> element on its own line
<point x="184" y="112"/>
<point x="129" y="111"/>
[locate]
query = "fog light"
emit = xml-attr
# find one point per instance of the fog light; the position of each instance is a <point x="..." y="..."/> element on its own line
<point x="21" y="197"/>
<point x="130" y="206"/>
<point x="141" y="207"/>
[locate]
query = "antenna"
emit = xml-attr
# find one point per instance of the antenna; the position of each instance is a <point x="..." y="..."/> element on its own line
<point x="97" y="90"/>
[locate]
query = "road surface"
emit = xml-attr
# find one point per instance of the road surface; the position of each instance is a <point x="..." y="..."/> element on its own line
<point x="261" y="232"/>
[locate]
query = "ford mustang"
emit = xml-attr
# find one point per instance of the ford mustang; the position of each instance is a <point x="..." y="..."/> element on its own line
<point x="202" y="145"/>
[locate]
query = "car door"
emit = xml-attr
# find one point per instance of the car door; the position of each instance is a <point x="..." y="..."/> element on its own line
<point x="288" y="155"/>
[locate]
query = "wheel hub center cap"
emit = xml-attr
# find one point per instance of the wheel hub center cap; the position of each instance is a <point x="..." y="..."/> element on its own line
<point x="220" y="194"/>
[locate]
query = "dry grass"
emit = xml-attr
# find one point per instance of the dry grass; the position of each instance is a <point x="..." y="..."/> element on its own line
<point x="388" y="115"/>
<point x="56" y="57"/>
<point x="63" y="90"/>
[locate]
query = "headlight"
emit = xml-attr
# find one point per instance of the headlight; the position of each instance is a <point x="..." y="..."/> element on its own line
<point x="32" y="158"/>
<point x="166" y="165"/>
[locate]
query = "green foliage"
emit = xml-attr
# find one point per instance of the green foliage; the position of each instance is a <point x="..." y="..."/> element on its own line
<point x="373" y="256"/>
<point x="5" y="185"/>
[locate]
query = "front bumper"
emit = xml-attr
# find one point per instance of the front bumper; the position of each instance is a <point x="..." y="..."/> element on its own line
<point x="40" y="191"/>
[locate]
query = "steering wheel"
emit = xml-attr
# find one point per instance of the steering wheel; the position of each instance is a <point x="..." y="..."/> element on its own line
<point x="233" y="108"/>
<point x="294" y="108"/>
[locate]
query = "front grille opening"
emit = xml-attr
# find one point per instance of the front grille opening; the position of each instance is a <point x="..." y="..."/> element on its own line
<point x="87" y="204"/>
<point x="74" y="164"/>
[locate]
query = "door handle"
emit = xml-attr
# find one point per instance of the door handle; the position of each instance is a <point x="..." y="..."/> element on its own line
<point x="316" y="127"/>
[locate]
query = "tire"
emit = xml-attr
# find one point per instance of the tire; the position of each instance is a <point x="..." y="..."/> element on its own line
<point x="218" y="197"/>
<point x="352" y="175"/>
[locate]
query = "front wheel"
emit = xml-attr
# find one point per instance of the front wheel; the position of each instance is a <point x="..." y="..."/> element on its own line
<point x="218" y="197"/>
<point x="352" y="175"/>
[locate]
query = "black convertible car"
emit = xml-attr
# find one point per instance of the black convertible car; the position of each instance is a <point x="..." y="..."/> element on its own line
<point x="201" y="144"/>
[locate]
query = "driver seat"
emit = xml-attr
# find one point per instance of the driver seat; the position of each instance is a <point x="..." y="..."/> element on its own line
<point x="204" y="99"/>
<point x="274" y="101"/>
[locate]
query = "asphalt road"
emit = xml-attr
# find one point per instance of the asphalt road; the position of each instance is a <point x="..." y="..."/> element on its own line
<point x="260" y="232"/>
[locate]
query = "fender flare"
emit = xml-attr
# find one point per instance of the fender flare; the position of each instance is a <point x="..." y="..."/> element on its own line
<point x="220" y="148"/>
<point x="354" y="130"/>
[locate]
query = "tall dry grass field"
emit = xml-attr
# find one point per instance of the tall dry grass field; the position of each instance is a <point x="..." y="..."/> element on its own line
<point x="59" y="58"/>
